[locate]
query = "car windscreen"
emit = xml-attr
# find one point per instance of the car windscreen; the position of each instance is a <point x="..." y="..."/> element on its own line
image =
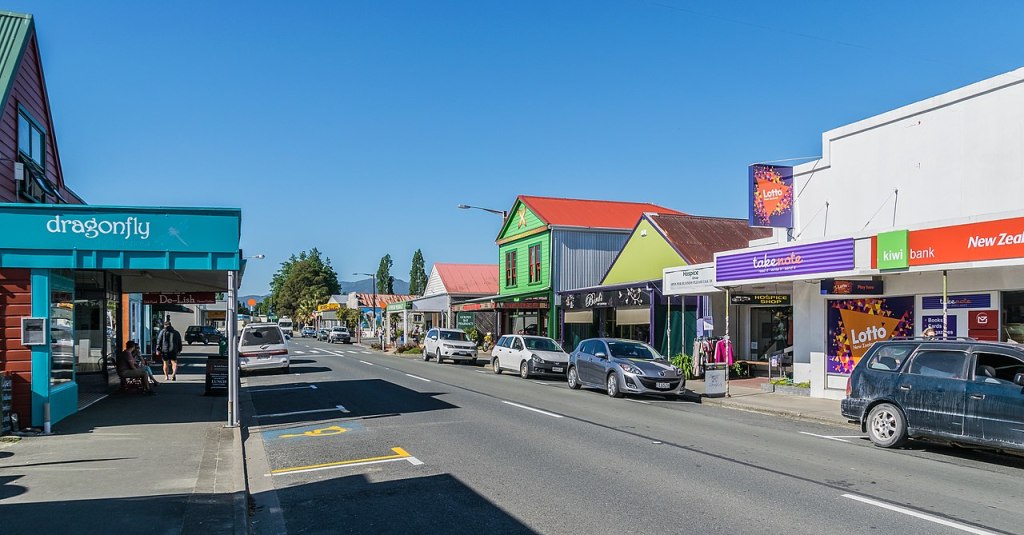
<point x="257" y="336"/>
<point x="632" y="350"/>
<point x="194" y="329"/>
<point x="541" y="344"/>
<point x="454" y="335"/>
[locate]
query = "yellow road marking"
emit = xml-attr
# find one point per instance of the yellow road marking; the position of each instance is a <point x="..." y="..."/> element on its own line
<point x="323" y="432"/>
<point x="400" y="454"/>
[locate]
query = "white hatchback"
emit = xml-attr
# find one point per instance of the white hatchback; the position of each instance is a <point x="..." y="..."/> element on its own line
<point x="263" y="346"/>
<point x="450" y="344"/>
<point x="529" y="355"/>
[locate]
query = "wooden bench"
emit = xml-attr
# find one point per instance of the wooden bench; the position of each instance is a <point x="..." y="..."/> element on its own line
<point x="755" y="366"/>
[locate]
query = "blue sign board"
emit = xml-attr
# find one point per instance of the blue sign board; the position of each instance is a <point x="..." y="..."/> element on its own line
<point x="119" y="237"/>
<point x="934" y="302"/>
<point x="935" y="322"/>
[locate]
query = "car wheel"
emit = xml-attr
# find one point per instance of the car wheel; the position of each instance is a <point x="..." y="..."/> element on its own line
<point x="613" y="386"/>
<point x="426" y="357"/>
<point x="495" y="367"/>
<point x="190" y="342"/>
<point x="287" y="369"/>
<point x="437" y="355"/>
<point x="524" y="370"/>
<point x="887" y="427"/>
<point x="572" y="379"/>
<point x="206" y="341"/>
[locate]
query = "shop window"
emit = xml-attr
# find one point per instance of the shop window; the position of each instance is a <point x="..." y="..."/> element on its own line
<point x="534" y="267"/>
<point x="510" y="269"/>
<point x="62" y="330"/>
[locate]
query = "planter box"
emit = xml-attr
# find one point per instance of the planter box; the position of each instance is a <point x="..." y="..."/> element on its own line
<point x="792" y="390"/>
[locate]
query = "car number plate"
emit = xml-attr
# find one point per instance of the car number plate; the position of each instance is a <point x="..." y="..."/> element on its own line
<point x="262" y="357"/>
<point x="661" y="385"/>
<point x="557" y="369"/>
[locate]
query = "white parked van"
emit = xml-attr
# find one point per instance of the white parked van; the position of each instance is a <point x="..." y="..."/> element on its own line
<point x="286" y="325"/>
<point x="263" y="346"/>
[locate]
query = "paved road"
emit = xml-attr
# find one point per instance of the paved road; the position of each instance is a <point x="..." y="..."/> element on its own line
<point x="384" y="444"/>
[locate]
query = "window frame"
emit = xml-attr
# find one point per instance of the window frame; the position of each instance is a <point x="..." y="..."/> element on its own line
<point x="34" y="126"/>
<point x="534" y="267"/>
<point x="511" y="259"/>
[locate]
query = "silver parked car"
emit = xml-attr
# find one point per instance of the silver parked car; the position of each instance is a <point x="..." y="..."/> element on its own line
<point x="623" y="367"/>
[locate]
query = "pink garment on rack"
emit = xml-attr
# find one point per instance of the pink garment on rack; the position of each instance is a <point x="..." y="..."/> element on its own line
<point x="723" y="351"/>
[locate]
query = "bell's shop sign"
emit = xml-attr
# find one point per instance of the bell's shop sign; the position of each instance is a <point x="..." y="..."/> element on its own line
<point x="180" y="298"/>
<point x="760" y="299"/>
<point x="637" y="296"/>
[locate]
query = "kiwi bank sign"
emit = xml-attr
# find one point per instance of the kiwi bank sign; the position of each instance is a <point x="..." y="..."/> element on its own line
<point x="810" y="259"/>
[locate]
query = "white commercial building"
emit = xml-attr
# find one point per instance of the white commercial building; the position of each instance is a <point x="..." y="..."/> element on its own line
<point x="900" y="210"/>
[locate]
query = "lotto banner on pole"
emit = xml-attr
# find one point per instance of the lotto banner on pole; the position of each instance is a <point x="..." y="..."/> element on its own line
<point x="854" y="324"/>
<point x="771" y="196"/>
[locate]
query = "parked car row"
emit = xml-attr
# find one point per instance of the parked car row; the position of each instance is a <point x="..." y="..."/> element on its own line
<point x="616" y="366"/>
<point x="960" y="391"/>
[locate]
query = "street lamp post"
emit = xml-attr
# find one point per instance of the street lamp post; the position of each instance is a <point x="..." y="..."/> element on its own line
<point x="502" y="213"/>
<point x="373" y="305"/>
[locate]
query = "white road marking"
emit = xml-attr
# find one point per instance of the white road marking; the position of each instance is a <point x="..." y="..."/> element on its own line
<point x="418" y="377"/>
<point x="367" y="363"/>
<point x="343" y="409"/>
<point x="299" y="352"/>
<point x="541" y="383"/>
<point x="480" y="371"/>
<point x="336" y="408"/>
<point x="638" y="401"/>
<point x="922" y="516"/>
<point x="271" y="388"/>
<point x="366" y="352"/>
<point x="412" y="460"/>
<point x="826" y="437"/>
<point x="314" y="352"/>
<point x="546" y="413"/>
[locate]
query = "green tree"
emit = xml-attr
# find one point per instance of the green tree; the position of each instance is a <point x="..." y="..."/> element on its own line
<point x="385" y="282"/>
<point x="417" y="276"/>
<point x="302" y="283"/>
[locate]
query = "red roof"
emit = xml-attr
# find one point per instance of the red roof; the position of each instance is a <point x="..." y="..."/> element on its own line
<point x="587" y="213"/>
<point x="472" y="279"/>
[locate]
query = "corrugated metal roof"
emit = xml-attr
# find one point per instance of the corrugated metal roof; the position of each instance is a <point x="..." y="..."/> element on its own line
<point x="698" y="238"/>
<point x="559" y="211"/>
<point x="469" y="279"/>
<point x="14" y="31"/>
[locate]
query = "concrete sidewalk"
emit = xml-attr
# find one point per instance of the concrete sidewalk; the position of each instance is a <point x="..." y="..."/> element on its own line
<point x="131" y="464"/>
<point x="746" y="395"/>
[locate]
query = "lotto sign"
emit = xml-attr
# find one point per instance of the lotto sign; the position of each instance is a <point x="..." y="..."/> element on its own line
<point x="771" y="196"/>
<point x="853" y="325"/>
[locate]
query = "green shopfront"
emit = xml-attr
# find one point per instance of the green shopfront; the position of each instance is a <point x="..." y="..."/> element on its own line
<point x="63" y="270"/>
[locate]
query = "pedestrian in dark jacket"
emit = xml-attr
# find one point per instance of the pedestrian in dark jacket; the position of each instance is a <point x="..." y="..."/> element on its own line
<point x="168" y="345"/>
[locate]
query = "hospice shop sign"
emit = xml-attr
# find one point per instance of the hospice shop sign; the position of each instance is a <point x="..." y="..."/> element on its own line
<point x="1002" y="239"/>
<point x="813" y="258"/>
<point x="771" y="196"/>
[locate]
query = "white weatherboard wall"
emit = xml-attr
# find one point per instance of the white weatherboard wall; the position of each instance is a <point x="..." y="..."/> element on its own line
<point x="956" y="155"/>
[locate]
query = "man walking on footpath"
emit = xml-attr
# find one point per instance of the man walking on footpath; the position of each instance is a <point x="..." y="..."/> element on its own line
<point x="168" y="345"/>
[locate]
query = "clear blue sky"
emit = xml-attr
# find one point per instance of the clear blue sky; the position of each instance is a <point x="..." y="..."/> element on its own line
<point x="357" y="126"/>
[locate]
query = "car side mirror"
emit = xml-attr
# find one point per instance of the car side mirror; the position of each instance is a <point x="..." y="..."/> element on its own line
<point x="287" y="337"/>
<point x="601" y="355"/>
<point x="1018" y="379"/>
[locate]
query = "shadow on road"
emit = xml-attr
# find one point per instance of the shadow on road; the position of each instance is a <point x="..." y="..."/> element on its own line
<point x="430" y="504"/>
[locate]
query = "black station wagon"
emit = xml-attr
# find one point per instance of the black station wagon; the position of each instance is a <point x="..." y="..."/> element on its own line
<point x="202" y="333"/>
<point x="952" y="390"/>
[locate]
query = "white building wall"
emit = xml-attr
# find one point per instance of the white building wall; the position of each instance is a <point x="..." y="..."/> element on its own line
<point x="435" y="286"/>
<point x="952" y="156"/>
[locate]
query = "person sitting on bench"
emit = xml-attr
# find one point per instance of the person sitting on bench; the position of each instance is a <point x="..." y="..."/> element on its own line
<point x="126" y="367"/>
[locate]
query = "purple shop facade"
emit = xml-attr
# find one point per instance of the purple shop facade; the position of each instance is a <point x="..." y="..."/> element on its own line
<point x="809" y="259"/>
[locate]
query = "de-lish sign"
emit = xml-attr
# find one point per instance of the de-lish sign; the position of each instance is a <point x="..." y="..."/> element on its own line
<point x="180" y="298"/>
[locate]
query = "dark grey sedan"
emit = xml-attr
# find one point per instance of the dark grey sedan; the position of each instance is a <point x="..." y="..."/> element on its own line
<point x="623" y="367"/>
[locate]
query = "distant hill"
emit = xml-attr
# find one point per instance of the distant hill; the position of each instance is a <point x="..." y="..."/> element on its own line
<point x="366" y="286"/>
<point x="258" y="298"/>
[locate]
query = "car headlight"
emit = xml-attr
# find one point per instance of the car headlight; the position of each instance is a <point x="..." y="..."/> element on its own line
<point x="536" y="360"/>
<point x="447" y="346"/>
<point x="629" y="368"/>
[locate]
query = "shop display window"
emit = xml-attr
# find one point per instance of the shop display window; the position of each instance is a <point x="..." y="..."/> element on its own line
<point x="62" y="330"/>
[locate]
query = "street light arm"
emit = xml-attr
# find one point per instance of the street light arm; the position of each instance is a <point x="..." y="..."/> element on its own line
<point x="502" y="213"/>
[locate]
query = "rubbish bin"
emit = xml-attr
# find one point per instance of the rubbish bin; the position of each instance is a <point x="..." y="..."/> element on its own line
<point x="217" y="374"/>
<point x="715" y="376"/>
<point x="223" y="346"/>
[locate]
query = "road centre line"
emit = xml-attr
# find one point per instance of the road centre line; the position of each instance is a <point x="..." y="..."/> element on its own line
<point x="541" y="383"/>
<point x="367" y="363"/>
<point x="480" y="371"/>
<point x="638" y="401"/>
<point x="400" y="455"/>
<point x="546" y="413"/>
<point x="418" y="377"/>
<point x="336" y="408"/>
<point x="272" y="388"/>
<point x="922" y="516"/>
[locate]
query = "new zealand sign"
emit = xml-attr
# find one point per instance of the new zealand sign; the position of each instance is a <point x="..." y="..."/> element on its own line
<point x="771" y="196"/>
